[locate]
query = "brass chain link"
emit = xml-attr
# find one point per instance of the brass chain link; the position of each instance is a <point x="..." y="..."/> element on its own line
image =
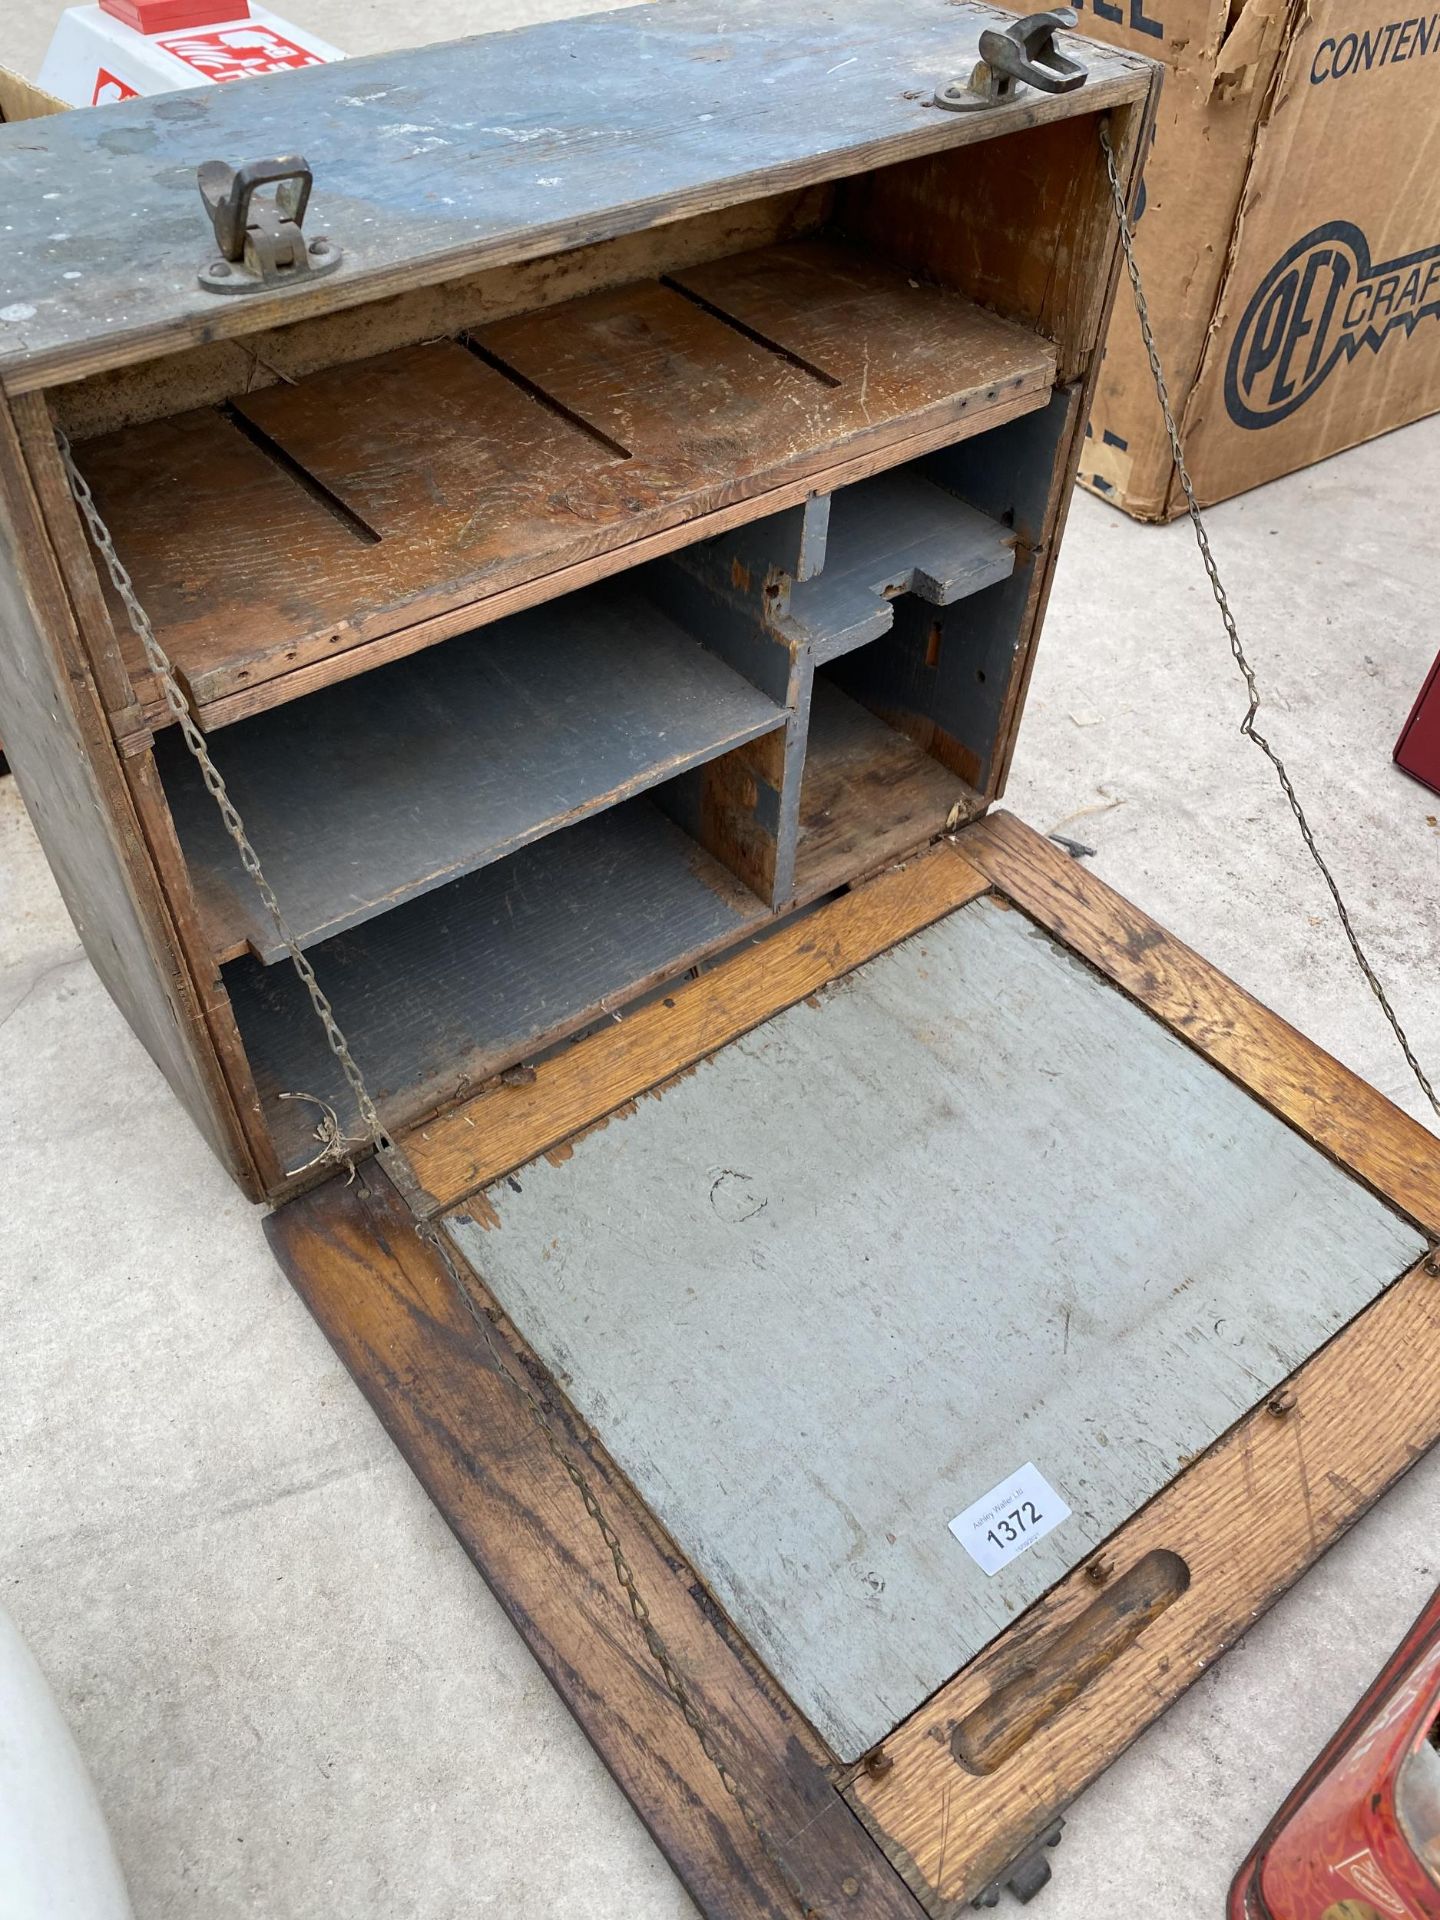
<point x="1232" y="632"/>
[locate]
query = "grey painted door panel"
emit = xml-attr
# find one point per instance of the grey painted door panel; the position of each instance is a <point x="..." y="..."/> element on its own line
<point x="977" y="1209"/>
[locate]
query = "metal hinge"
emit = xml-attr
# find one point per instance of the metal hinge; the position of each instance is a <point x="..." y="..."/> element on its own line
<point x="260" y="236"/>
<point x="1022" y="54"/>
<point x="1026" y="1874"/>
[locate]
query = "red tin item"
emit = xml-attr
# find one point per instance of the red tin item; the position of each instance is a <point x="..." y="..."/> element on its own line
<point x="1418" y="748"/>
<point x="1359" y="1838"/>
<point x="166" y="16"/>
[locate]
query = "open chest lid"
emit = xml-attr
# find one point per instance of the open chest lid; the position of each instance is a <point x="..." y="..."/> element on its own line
<point x="443" y="160"/>
<point x="961" y="1300"/>
<point x="897" y="1306"/>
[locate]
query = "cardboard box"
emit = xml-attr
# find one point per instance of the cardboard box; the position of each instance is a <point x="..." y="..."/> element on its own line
<point x="21" y="99"/>
<point x="1289" y="238"/>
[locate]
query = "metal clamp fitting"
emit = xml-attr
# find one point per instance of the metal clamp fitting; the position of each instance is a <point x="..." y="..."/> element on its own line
<point x="1023" y="54"/>
<point x="260" y="239"/>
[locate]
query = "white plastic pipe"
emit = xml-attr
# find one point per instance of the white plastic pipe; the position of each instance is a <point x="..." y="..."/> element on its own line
<point x="56" y="1860"/>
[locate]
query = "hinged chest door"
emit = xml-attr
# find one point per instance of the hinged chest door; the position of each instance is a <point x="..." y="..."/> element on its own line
<point x="968" y="1209"/>
<point x="963" y="1298"/>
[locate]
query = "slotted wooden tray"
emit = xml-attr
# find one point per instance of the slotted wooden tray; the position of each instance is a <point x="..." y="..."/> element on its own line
<point x="402" y="499"/>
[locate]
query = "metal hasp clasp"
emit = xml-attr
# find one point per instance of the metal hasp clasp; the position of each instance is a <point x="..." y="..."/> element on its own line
<point x="1023" y="54"/>
<point x="259" y="235"/>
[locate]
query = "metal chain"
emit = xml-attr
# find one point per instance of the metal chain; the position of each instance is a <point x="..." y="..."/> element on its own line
<point x="1202" y="540"/>
<point x="161" y="667"/>
<point x="664" y="1659"/>
<point x="669" y="1669"/>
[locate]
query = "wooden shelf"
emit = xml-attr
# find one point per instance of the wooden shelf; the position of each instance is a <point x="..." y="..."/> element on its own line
<point x="311" y="530"/>
<point x="370" y="793"/>
<point x="466" y="980"/>
<point x="897" y="533"/>
<point x="870" y="795"/>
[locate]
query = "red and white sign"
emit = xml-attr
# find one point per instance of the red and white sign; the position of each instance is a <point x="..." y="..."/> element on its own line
<point x="237" y="53"/>
<point x="108" y="88"/>
<point x="104" y="53"/>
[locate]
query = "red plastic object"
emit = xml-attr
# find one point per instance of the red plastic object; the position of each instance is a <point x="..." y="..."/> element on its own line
<point x="1359" y="1838"/>
<point x="1418" y="748"/>
<point x="173" y="16"/>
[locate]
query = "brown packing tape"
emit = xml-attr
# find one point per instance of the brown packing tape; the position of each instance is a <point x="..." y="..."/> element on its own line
<point x="1106" y="460"/>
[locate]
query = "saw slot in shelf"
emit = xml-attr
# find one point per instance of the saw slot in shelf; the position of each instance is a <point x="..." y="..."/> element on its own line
<point x="896" y="534"/>
<point x="310" y="530"/>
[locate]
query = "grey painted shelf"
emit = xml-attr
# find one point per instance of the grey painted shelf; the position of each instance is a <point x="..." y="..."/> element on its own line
<point x="374" y="791"/>
<point x="462" y="982"/>
<point x="896" y="533"/>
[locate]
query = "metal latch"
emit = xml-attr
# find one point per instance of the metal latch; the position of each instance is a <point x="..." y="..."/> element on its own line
<point x="1022" y="54"/>
<point x="260" y="237"/>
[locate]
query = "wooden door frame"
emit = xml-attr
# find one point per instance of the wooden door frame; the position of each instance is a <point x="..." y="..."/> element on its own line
<point x="973" y="1779"/>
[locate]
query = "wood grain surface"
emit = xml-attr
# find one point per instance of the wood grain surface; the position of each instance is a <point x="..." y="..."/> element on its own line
<point x="216" y="370"/>
<point x="1333" y="1107"/>
<point x="893" y="535"/>
<point x="503" y="1126"/>
<point x="998" y="239"/>
<point x="984" y="1767"/>
<point x="971" y="1207"/>
<point x="393" y="1316"/>
<point x="466" y="980"/>
<point x="310" y="517"/>
<point x="152" y="810"/>
<point x="61" y="752"/>
<point x="869" y="795"/>
<point x="293" y="682"/>
<point x="433" y="162"/>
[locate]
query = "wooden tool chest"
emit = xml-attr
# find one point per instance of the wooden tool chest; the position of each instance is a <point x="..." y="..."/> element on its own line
<point x="607" y="578"/>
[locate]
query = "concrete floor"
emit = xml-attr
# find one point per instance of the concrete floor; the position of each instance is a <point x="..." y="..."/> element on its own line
<point x="297" y="1698"/>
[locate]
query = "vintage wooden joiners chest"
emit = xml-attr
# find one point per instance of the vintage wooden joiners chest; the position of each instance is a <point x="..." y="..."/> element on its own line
<point x="607" y="577"/>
